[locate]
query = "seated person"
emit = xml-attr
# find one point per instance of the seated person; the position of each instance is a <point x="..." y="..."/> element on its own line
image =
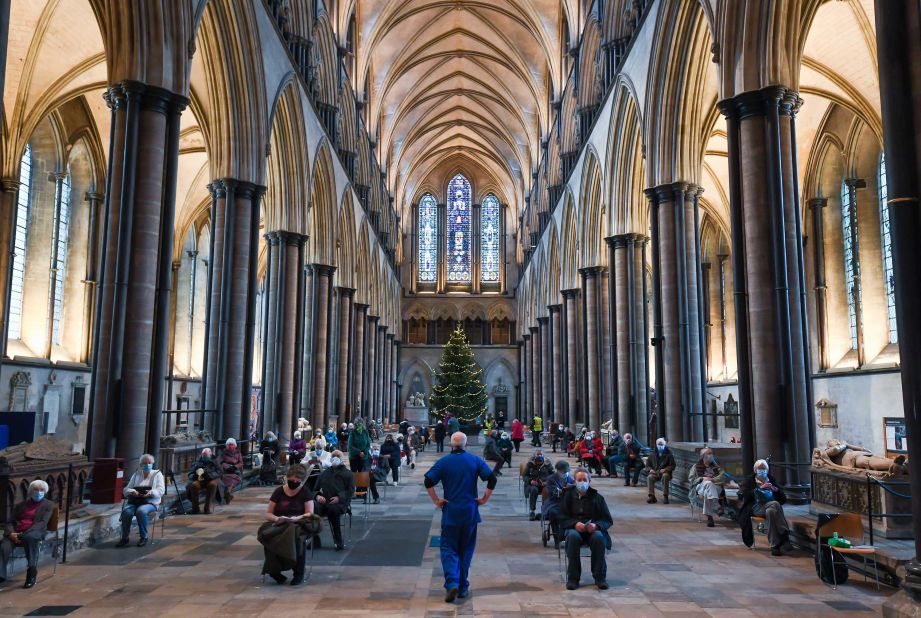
<point x="505" y="448"/>
<point x="317" y="461"/>
<point x="611" y="456"/>
<point x="659" y="467"/>
<point x="289" y="524"/>
<point x="231" y="461"/>
<point x="706" y="479"/>
<point x="568" y="439"/>
<point x="27" y="529"/>
<point x="631" y="455"/>
<point x="491" y="452"/>
<point x="589" y="454"/>
<point x="269" y="449"/>
<point x="536" y="472"/>
<point x="335" y="488"/>
<point x="585" y="519"/>
<point x="763" y="497"/>
<point x="556" y="435"/>
<point x="318" y="438"/>
<point x="297" y="448"/>
<point x="142" y="495"/>
<point x="204" y="476"/>
<point x="332" y="440"/>
<point x="380" y="468"/>
<point x="550" y="508"/>
<point x="410" y="445"/>
<point x="390" y="452"/>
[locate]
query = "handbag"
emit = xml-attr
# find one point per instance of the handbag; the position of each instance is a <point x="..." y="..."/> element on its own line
<point x="144" y="498"/>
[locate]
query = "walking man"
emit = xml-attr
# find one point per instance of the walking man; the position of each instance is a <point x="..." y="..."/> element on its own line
<point x="458" y="474"/>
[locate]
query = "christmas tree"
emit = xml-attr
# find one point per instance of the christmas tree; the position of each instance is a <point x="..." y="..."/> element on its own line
<point x="460" y="389"/>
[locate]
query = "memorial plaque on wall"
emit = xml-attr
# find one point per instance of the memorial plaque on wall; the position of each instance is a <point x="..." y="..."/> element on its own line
<point x="896" y="436"/>
<point x="731" y="411"/>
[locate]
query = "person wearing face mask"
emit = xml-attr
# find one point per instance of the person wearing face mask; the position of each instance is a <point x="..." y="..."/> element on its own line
<point x="460" y="514"/>
<point x="762" y="496"/>
<point x="26" y="529"/>
<point x="631" y="455"/>
<point x="334" y="491"/>
<point x="659" y="467"/>
<point x="342" y="438"/>
<point x="505" y="448"/>
<point x="706" y="479"/>
<point x="585" y="519"/>
<point x="289" y="524"/>
<point x="297" y="448"/>
<point x="517" y="434"/>
<point x="359" y="444"/>
<point x="231" y="462"/>
<point x="611" y="458"/>
<point x="142" y="495"/>
<point x="589" y="454"/>
<point x="204" y="477"/>
<point x="569" y="438"/>
<point x="317" y="461"/>
<point x="380" y="468"/>
<point x="390" y="452"/>
<point x="556" y="435"/>
<point x="332" y="440"/>
<point x="550" y="507"/>
<point x="318" y="439"/>
<point x="268" y="469"/>
<point x="536" y="473"/>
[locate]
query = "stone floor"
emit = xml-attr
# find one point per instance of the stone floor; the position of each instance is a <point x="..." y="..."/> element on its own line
<point x="663" y="563"/>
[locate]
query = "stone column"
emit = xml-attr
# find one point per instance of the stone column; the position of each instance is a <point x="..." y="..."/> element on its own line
<point x="535" y="372"/>
<point x="527" y="380"/>
<point x="592" y="342"/>
<point x="606" y="368"/>
<point x="571" y="341"/>
<point x="269" y="418"/>
<point x="774" y="378"/>
<point x="442" y="250"/>
<point x="898" y="38"/>
<point x="391" y="378"/>
<point x="371" y="374"/>
<point x="544" y="361"/>
<point x="343" y="409"/>
<point x="8" y="206"/>
<point x="386" y="340"/>
<point x="133" y="306"/>
<point x="556" y="354"/>
<point x="359" y="356"/>
<point x="90" y="280"/>
<point x="475" y="252"/>
<point x="681" y="393"/>
<point x="817" y="206"/>
<point x="290" y="326"/>
<point x="323" y="275"/>
<point x="234" y="217"/>
<point x="381" y="354"/>
<point x="627" y="254"/>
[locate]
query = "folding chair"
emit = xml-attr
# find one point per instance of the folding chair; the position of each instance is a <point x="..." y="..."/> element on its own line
<point x="563" y="557"/>
<point x="363" y="491"/>
<point x="848" y="526"/>
<point x="760" y="527"/>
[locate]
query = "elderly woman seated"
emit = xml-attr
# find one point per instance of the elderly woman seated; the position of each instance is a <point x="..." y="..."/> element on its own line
<point x="204" y="476"/>
<point x="289" y="524"/>
<point x="27" y="530"/>
<point x="762" y="496"/>
<point x="142" y="495"/>
<point x="231" y="461"/>
<point x="297" y="448"/>
<point x="706" y="479"/>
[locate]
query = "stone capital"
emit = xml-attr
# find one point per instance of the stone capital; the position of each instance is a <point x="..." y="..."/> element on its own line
<point x="817" y="202"/>
<point x="373" y="318"/>
<point x="322" y="270"/>
<point x="554" y="308"/>
<point x="591" y="271"/>
<point x="571" y="293"/>
<point x="361" y="307"/>
<point x="533" y="329"/>
<point x="345" y="292"/>
<point x="543" y="320"/>
<point x="759" y="102"/>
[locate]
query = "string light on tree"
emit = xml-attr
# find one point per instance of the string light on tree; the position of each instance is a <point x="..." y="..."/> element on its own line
<point x="460" y="389"/>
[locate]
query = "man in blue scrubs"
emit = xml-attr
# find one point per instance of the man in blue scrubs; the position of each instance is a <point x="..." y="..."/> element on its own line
<point x="458" y="474"/>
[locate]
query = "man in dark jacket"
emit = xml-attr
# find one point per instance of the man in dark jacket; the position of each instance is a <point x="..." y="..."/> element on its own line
<point x="556" y="435"/>
<point x="762" y="496"/>
<point x="611" y="456"/>
<point x="390" y="451"/>
<point x="27" y="529"/>
<point x="536" y="473"/>
<point x="205" y="476"/>
<point x="631" y="456"/>
<point x="659" y="467"/>
<point x="585" y="519"/>
<point x="334" y="492"/>
<point x="440" y="432"/>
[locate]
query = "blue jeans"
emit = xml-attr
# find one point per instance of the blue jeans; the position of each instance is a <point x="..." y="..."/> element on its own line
<point x="139" y="512"/>
<point x="457" y="545"/>
<point x="613" y="460"/>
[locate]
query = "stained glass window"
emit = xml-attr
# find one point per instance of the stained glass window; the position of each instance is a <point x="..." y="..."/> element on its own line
<point x="59" y="259"/>
<point x="428" y="239"/>
<point x="458" y="230"/>
<point x="19" y="244"/>
<point x="490" y="240"/>
<point x="886" y="246"/>
<point x="851" y="259"/>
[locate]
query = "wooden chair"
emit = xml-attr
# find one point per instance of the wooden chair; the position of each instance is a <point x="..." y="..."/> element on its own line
<point x="850" y="527"/>
<point x="363" y="491"/>
<point x="759" y="524"/>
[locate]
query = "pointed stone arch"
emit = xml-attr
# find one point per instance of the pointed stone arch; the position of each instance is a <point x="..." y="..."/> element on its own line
<point x="591" y="214"/>
<point x="569" y="243"/>
<point x="322" y="215"/>
<point x="345" y="244"/>
<point x="286" y="193"/>
<point x="628" y="209"/>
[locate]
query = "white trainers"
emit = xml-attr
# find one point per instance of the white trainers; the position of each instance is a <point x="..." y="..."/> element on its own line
<point x="395" y="484"/>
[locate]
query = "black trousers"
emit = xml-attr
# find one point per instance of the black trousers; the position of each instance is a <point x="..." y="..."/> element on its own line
<point x="334" y="513"/>
<point x="439" y="445"/>
<point x="637" y="466"/>
<point x="30" y="542"/>
<point x="532" y="491"/>
<point x="395" y="470"/>
<point x="574" y="541"/>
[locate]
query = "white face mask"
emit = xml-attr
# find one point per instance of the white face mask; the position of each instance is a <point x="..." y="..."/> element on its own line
<point x="336" y="461"/>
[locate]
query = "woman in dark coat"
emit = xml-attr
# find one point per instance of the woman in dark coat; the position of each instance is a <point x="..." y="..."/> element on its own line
<point x="231" y="462"/>
<point x="491" y="452"/>
<point x="505" y="448"/>
<point x="287" y="528"/>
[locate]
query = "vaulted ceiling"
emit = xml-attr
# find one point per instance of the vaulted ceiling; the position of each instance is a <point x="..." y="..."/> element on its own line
<point x="459" y="85"/>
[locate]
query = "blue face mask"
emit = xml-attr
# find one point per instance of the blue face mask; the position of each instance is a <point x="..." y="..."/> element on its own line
<point x="147" y="467"/>
<point x="38" y="496"/>
<point x="582" y="486"/>
<point x="661" y="448"/>
<point x="762" y="473"/>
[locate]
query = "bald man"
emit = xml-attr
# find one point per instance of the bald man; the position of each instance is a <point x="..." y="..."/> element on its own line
<point x="460" y="514"/>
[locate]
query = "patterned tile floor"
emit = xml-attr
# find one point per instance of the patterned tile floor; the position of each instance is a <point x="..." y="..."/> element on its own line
<point x="663" y="563"/>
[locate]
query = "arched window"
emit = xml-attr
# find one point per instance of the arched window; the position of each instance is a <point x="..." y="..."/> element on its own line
<point x="428" y="239"/>
<point x="851" y="258"/>
<point x="886" y="246"/>
<point x="490" y="239"/>
<point x="458" y="230"/>
<point x="59" y="243"/>
<point x="20" y="243"/>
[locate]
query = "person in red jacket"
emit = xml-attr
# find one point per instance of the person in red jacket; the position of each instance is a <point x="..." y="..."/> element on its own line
<point x="586" y="451"/>
<point x="517" y="433"/>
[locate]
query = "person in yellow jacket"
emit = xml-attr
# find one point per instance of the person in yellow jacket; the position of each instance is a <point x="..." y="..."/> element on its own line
<point x="537" y="426"/>
<point x="488" y="424"/>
